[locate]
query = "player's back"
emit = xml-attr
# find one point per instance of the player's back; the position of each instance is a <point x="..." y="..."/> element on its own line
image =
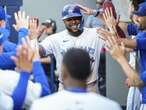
<point x="66" y="100"/>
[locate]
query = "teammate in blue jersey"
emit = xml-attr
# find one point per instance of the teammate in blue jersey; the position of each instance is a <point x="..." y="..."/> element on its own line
<point x="138" y="43"/>
<point x="7" y="48"/>
<point x="5" y="44"/>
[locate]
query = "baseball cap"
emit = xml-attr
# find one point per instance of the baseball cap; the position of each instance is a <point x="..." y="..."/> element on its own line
<point x="2" y="13"/>
<point x="48" y="22"/>
<point x="142" y="10"/>
<point x="100" y="1"/>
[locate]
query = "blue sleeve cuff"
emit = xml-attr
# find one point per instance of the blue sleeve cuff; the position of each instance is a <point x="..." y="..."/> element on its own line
<point x="40" y="77"/>
<point x="23" y="32"/>
<point x="25" y="74"/>
<point x="18" y="96"/>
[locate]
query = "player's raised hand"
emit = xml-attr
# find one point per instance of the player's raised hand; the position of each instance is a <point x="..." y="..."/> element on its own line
<point x="33" y="28"/>
<point x="116" y="51"/>
<point x="110" y="20"/>
<point x="86" y="10"/>
<point x="21" y="20"/>
<point x="24" y="56"/>
<point x="103" y="33"/>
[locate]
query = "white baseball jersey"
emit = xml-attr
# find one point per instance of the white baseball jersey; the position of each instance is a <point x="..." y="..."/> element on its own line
<point x="66" y="100"/>
<point x="6" y="102"/>
<point x="89" y="40"/>
<point x="8" y="83"/>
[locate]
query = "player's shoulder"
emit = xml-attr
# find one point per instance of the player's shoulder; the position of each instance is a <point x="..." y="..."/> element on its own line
<point x="89" y="29"/>
<point x="106" y="101"/>
<point x="57" y="36"/>
<point x="91" y="32"/>
<point x="9" y="73"/>
<point x="50" y="98"/>
<point x="44" y="102"/>
<point x="5" y="98"/>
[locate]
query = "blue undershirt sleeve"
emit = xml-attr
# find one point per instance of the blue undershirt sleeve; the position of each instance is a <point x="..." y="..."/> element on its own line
<point x="40" y="77"/>
<point x="20" y="91"/>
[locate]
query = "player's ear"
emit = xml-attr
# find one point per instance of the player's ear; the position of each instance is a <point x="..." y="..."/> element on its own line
<point x="64" y="72"/>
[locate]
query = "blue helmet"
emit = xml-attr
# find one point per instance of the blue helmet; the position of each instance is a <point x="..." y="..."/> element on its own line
<point x="70" y="11"/>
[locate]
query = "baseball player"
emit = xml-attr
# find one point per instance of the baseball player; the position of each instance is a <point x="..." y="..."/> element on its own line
<point x="75" y="70"/>
<point x="75" y="35"/>
<point x="5" y="44"/>
<point x="12" y="83"/>
<point x="138" y="44"/>
<point x="49" y="28"/>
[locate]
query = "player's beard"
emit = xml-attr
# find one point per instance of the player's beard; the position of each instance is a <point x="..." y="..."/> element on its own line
<point x="77" y="31"/>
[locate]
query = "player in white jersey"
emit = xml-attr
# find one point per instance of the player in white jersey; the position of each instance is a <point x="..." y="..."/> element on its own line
<point x="75" y="35"/>
<point x="75" y="71"/>
<point x="16" y="90"/>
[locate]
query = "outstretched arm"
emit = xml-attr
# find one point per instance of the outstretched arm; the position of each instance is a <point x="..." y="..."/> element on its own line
<point x="22" y="23"/>
<point x="17" y="96"/>
<point x="117" y="53"/>
<point x="129" y="43"/>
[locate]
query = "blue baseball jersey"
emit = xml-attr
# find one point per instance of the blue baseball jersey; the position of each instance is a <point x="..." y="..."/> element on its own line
<point x="141" y="46"/>
<point x="9" y="46"/>
<point x="132" y="29"/>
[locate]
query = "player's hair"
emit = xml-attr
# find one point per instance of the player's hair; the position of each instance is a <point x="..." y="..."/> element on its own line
<point x="136" y="3"/>
<point x="77" y="62"/>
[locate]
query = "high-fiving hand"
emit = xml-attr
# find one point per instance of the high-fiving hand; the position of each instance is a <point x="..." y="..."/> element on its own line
<point x="116" y="51"/>
<point x="110" y="20"/>
<point x="24" y="56"/>
<point x="33" y="28"/>
<point x="22" y="21"/>
<point x="86" y="10"/>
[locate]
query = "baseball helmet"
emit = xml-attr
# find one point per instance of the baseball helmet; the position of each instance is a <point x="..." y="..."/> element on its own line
<point x="70" y="11"/>
<point x="50" y="23"/>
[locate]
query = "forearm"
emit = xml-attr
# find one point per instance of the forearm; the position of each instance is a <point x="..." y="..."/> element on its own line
<point x="130" y="73"/>
<point x="42" y="51"/>
<point x="46" y="60"/>
<point x="40" y="77"/>
<point x="129" y="43"/>
<point x="17" y="95"/>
